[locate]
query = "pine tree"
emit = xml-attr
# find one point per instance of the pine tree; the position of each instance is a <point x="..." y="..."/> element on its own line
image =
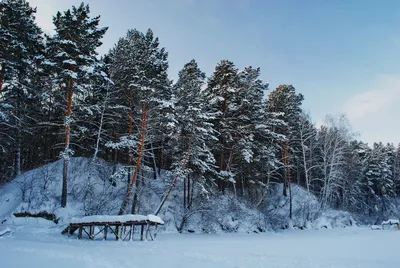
<point x="380" y="178"/>
<point x="220" y="96"/>
<point x="194" y="128"/>
<point x="140" y="70"/>
<point x="21" y="47"/>
<point x="396" y="171"/>
<point x="249" y="128"/>
<point x="72" y="54"/>
<point x="287" y="103"/>
<point x="356" y="186"/>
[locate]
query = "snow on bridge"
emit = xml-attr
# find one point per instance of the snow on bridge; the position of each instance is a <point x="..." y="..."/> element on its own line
<point x="122" y="226"/>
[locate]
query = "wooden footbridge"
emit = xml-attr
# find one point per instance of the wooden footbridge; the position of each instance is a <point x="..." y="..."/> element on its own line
<point x="122" y="227"/>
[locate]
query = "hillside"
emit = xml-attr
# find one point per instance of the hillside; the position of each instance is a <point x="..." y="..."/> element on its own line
<point x="92" y="191"/>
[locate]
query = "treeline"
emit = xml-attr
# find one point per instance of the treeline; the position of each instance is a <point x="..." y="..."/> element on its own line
<point x="59" y="98"/>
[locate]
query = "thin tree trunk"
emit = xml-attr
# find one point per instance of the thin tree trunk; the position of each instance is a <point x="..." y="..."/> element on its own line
<point x="290" y="195"/>
<point x="130" y="133"/>
<point x="100" y="127"/>
<point x="155" y="176"/>
<point x="18" y="135"/>
<point x="135" y="200"/>
<point x="285" y="162"/>
<point x="161" y="164"/>
<point x="191" y="190"/>
<point x="115" y="154"/>
<point x="221" y="168"/>
<point x="287" y="179"/>
<point x="67" y="142"/>
<point x="130" y="127"/>
<point x="18" y="155"/>
<point x="173" y="184"/>
<point x="2" y="74"/>
<point x="139" y="160"/>
<point x="184" y="193"/>
<point x="189" y="195"/>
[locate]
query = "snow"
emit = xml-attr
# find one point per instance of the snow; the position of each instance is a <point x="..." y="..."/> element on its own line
<point x="376" y="227"/>
<point x="391" y="222"/>
<point x="33" y="246"/>
<point x="117" y="218"/>
<point x="98" y="188"/>
<point x="329" y="239"/>
<point x="70" y="62"/>
<point x="155" y="218"/>
<point x="5" y="231"/>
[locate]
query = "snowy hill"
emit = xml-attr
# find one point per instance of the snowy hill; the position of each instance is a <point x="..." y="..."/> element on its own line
<point x="93" y="191"/>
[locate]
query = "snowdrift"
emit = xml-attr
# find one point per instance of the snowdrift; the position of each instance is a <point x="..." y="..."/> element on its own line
<point x="93" y="190"/>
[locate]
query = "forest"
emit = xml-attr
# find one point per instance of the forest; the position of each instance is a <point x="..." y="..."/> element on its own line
<point x="225" y="133"/>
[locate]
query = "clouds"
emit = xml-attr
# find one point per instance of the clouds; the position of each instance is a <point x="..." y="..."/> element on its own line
<point x="374" y="112"/>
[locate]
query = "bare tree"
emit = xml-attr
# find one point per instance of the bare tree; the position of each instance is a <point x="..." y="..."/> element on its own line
<point x="333" y="140"/>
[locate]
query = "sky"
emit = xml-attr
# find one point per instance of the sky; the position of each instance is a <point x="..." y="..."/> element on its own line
<point x="342" y="55"/>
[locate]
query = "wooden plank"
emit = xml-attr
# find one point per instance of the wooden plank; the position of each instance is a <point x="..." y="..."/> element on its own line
<point x="141" y="232"/>
<point x="122" y="232"/>
<point x="147" y="231"/>
<point x="130" y="233"/>
<point x="155" y="233"/>
<point x="84" y="229"/>
<point x="100" y="231"/>
<point x="91" y="232"/>
<point x="80" y="232"/>
<point x="105" y="232"/>
<point x="116" y="232"/>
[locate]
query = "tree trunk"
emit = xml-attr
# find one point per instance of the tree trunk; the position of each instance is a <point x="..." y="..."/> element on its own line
<point x="115" y="154"/>
<point x="221" y="185"/>
<point x="189" y="194"/>
<point x="184" y="193"/>
<point x="290" y="197"/>
<point x="135" y="198"/>
<point x="18" y="135"/>
<point x="161" y="160"/>
<point x="18" y="155"/>
<point x="139" y="160"/>
<point x="285" y="162"/>
<point x="173" y="182"/>
<point x="287" y="179"/>
<point x="130" y="127"/>
<point x="154" y="162"/>
<point x="2" y="74"/>
<point x="67" y="142"/>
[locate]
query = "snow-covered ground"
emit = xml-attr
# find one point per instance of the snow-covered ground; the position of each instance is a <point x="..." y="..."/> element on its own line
<point x="93" y="193"/>
<point x="38" y="245"/>
<point x="36" y="242"/>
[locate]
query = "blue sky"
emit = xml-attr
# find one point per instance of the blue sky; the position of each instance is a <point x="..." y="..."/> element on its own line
<point x="343" y="55"/>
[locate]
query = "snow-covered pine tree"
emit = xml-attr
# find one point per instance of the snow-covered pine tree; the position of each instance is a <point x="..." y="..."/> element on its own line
<point x="380" y="178"/>
<point x="194" y="130"/>
<point x="284" y="101"/>
<point x="249" y="128"/>
<point x="355" y="188"/>
<point x="72" y="56"/>
<point x="140" y="70"/>
<point x="396" y="171"/>
<point x="21" y="45"/>
<point x="220" y="94"/>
